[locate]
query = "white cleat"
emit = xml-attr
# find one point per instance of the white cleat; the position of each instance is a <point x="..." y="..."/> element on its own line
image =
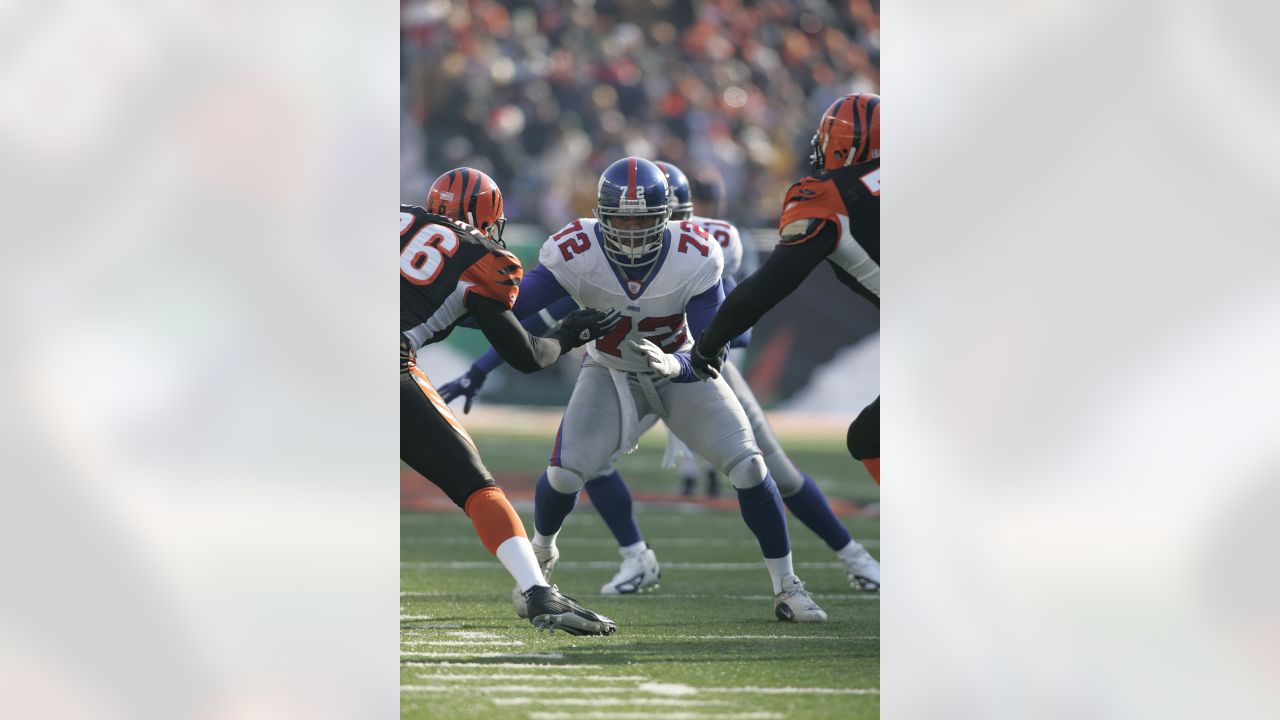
<point x="794" y="604"/>
<point x="638" y="572"/>
<point x="547" y="559"/>
<point x="862" y="570"/>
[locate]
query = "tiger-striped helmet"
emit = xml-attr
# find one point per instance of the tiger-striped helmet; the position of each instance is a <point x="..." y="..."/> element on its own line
<point x="848" y="133"/>
<point x="469" y="195"/>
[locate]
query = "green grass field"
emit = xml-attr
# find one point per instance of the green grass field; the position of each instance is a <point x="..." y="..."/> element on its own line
<point x="704" y="645"/>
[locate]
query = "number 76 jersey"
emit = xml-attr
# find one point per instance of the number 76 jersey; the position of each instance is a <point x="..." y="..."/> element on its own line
<point x="653" y="306"/>
<point x="441" y="262"/>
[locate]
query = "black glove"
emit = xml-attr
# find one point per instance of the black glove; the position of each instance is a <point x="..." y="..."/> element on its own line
<point x="582" y="326"/>
<point x="466" y="386"/>
<point x="706" y="363"/>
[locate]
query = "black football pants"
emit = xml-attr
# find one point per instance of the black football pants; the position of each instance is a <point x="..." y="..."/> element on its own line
<point x="864" y="433"/>
<point x="433" y="442"/>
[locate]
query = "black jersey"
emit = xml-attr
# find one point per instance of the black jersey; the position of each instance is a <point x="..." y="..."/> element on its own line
<point x="850" y="198"/>
<point x="441" y="262"/>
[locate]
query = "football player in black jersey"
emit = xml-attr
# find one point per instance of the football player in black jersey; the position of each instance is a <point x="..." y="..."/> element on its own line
<point x="453" y="263"/>
<point x="831" y="215"/>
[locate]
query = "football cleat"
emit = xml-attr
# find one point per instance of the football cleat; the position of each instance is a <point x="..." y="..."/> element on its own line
<point x="862" y="570"/>
<point x="547" y="557"/>
<point x="638" y="572"/>
<point x="794" y="604"/>
<point x="549" y="610"/>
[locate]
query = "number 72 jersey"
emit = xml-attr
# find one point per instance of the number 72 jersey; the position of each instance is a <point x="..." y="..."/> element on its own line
<point x="441" y="262"/>
<point x="653" y="307"/>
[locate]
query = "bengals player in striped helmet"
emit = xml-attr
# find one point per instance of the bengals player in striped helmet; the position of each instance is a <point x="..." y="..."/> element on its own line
<point x="848" y="133"/>
<point x="453" y="264"/>
<point x="469" y="195"/>
<point x="831" y="215"/>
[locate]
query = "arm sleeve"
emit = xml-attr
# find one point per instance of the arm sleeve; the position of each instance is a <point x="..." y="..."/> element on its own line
<point x="701" y="308"/>
<point x="777" y="278"/>
<point x="744" y="339"/>
<point x="538" y="290"/>
<point x="524" y="352"/>
<point x="535" y="324"/>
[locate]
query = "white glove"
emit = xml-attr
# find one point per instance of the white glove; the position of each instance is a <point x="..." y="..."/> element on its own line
<point x="659" y="362"/>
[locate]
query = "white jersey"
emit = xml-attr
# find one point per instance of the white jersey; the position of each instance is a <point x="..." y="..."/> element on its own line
<point x="689" y="263"/>
<point x="725" y="233"/>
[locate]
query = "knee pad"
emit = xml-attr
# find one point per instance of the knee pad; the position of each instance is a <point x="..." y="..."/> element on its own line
<point x="564" y="481"/>
<point x="864" y="433"/>
<point x="748" y="472"/>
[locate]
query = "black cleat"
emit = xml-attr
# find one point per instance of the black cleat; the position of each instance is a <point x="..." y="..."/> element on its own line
<point x="549" y="610"/>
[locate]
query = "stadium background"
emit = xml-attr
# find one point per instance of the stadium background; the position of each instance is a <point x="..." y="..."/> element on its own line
<point x="543" y="96"/>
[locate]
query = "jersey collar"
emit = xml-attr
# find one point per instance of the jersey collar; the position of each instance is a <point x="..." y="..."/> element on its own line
<point x="635" y="288"/>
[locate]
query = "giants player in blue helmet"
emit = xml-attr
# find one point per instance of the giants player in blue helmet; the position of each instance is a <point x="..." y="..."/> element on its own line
<point x="664" y="276"/>
<point x="640" y="569"/>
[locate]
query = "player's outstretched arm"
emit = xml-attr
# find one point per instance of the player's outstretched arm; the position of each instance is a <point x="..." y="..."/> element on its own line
<point x="470" y="383"/>
<point x="796" y="255"/>
<point x="530" y="353"/>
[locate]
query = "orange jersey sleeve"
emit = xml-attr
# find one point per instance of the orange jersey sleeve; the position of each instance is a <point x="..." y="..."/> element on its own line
<point x="810" y="199"/>
<point x="496" y="276"/>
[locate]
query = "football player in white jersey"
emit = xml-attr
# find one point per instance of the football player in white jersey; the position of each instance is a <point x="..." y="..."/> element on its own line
<point x="664" y="276"/>
<point x="640" y="569"/>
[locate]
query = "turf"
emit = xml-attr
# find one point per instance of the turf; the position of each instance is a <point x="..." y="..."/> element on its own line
<point x="703" y="645"/>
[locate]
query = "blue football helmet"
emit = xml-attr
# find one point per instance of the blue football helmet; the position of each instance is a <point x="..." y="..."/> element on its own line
<point x="633" y="206"/>
<point x="681" y="202"/>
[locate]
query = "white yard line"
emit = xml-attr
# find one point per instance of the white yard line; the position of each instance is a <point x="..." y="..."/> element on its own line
<point x="451" y="677"/>
<point x="558" y="689"/>
<point x="792" y="690"/>
<point x="488" y="689"/>
<point x="537" y="667"/>
<point x="458" y="643"/>
<point x="531" y="655"/>
<point x="653" y="716"/>
<point x="602" y="702"/>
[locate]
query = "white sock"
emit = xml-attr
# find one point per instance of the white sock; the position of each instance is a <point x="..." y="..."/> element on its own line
<point x="778" y="569"/>
<point x="545" y="540"/>
<point x="516" y="555"/>
<point x="633" y="550"/>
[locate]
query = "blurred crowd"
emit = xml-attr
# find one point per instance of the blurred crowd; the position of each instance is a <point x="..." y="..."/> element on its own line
<point x="544" y="95"/>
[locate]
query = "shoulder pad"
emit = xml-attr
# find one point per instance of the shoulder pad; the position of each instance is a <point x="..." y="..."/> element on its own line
<point x="812" y="198"/>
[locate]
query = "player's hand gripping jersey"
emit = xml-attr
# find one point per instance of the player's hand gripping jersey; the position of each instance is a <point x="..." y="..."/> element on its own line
<point x="653" y="307"/>
<point x="442" y="261"/>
